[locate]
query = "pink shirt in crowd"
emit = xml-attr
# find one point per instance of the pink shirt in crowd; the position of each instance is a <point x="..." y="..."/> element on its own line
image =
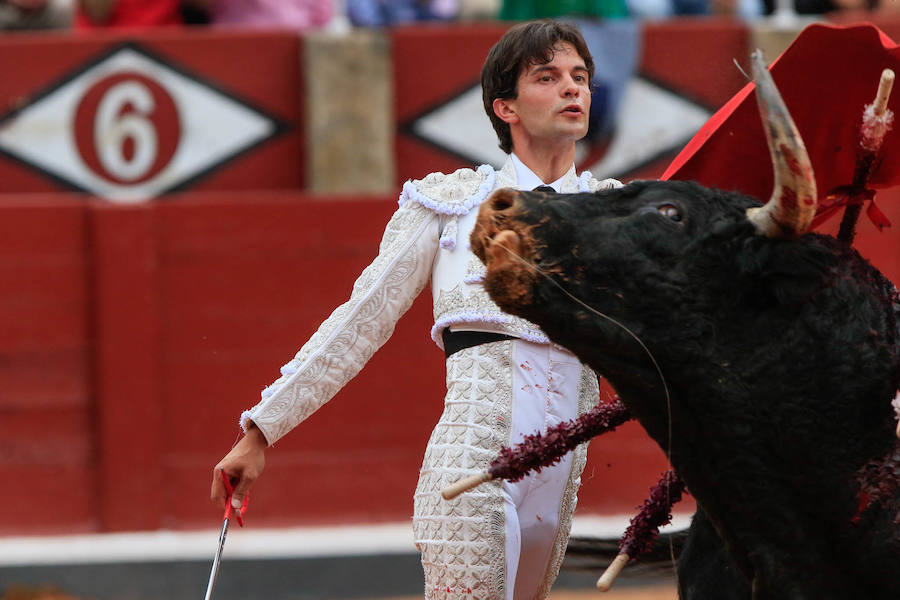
<point x="292" y="14"/>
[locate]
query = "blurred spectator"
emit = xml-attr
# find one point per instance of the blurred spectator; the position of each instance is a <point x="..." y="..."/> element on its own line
<point x="195" y="12"/>
<point x="661" y="9"/>
<point x="292" y="14"/>
<point x="479" y="9"/>
<point x="523" y="10"/>
<point x="94" y="14"/>
<point x="377" y="13"/>
<point x="818" y="7"/>
<point x="519" y="10"/>
<point x="35" y="14"/>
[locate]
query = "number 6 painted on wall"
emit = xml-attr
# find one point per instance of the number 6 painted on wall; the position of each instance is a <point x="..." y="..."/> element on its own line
<point x="113" y="129"/>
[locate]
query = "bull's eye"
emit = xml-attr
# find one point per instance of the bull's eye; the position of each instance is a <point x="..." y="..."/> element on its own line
<point x="670" y="211"/>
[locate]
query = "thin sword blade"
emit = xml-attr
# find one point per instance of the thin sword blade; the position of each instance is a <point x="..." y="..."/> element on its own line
<point x="216" y="561"/>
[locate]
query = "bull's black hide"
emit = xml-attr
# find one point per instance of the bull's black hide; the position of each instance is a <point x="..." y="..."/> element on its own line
<point x="765" y="369"/>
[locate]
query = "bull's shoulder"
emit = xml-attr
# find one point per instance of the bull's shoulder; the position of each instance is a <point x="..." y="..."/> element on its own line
<point x="455" y="193"/>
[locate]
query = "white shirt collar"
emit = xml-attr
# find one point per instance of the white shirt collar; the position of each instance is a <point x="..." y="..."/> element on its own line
<point x="527" y="180"/>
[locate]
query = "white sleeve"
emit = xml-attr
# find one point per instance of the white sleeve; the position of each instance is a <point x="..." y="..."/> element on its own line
<point x="605" y="184"/>
<point x="356" y="329"/>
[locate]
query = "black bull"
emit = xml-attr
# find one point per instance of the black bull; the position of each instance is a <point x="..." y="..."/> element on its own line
<point x="764" y="368"/>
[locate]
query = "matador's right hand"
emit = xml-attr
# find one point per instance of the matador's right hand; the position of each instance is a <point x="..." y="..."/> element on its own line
<point x="242" y="465"/>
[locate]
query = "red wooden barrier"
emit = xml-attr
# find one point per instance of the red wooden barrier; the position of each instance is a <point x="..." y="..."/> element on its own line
<point x="128" y="351"/>
<point x="47" y="452"/>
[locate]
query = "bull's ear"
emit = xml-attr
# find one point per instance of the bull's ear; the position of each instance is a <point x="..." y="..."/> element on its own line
<point x="792" y="206"/>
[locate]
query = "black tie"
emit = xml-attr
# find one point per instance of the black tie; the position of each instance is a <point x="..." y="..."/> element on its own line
<point x="544" y="188"/>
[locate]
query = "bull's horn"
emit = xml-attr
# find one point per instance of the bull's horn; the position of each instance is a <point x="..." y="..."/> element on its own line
<point x="793" y="203"/>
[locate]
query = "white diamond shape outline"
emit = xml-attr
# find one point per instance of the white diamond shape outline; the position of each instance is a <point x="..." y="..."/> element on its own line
<point x="652" y="122"/>
<point x="40" y="134"/>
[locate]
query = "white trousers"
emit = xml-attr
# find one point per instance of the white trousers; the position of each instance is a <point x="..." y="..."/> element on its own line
<point x="502" y="541"/>
<point x="545" y="393"/>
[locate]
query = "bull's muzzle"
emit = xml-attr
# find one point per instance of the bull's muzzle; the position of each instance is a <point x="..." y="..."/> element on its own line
<point x="504" y="244"/>
<point x="494" y="239"/>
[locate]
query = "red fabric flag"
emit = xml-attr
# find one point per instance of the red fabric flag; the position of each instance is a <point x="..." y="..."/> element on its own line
<point x="826" y="78"/>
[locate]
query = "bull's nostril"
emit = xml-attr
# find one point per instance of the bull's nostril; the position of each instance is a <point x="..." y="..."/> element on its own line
<point x="500" y="202"/>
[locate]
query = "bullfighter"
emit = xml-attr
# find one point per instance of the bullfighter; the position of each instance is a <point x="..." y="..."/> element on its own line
<point x="504" y="378"/>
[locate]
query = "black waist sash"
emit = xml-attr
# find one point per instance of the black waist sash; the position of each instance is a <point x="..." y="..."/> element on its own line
<point x="454" y="341"/>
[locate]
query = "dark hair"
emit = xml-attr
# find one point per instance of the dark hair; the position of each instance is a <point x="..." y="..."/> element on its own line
<point x="531" y="43"/>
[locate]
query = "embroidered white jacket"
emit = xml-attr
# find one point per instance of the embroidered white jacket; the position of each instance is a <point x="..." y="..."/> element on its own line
<point x="427" y="238"/>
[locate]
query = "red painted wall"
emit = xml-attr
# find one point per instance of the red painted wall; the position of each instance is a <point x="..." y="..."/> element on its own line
<point x="47" y="452"/>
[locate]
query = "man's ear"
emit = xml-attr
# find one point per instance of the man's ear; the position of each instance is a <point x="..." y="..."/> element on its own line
<point x="505" y="110"/>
